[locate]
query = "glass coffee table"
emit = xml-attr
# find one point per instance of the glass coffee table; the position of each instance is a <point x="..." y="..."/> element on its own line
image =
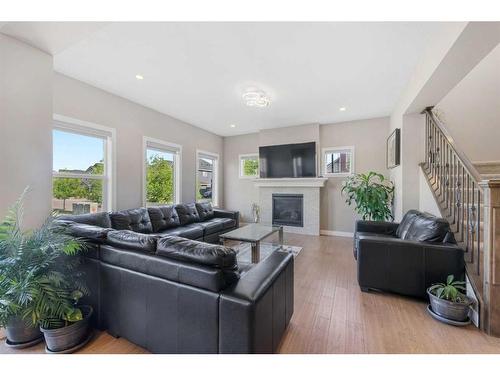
<point x="254" y="234"/>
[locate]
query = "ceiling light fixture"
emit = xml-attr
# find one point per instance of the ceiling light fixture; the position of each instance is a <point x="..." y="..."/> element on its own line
<point x="232" y="126"/>
<point x="256" y="99"/>
<point x="342" y="109"/>
<point x="139" y="77"/>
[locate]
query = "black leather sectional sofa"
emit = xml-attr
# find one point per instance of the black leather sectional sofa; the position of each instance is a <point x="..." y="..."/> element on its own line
<point x="156" y="284"/>
<point x="407" y="257"/>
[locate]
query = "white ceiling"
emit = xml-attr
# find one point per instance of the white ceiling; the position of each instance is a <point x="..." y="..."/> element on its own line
<point x="197" y="72"/>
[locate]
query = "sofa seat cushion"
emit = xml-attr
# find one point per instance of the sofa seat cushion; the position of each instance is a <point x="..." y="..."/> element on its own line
<point x="136" y="220"/>
<point x="163" y="217"/>
<point x="406" y="223"/>
<point x="428" y="228"/>
<point x="127" y="239"/>
<point x="100" y="219"/>
<point x="187" y="213"/>
<point x="227" y="223"/>
<point x="192" y="231"/>
<point x="211" y="227"/>
<point x="205" y="210"/>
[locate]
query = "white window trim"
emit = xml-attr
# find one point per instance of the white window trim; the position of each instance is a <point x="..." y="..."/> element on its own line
<point x="69" y="124"/>
<point x="215" y="188"/>
<point x="168" y="147"/>
<point x="333" y="149"/>
<point x="241" y="156"/>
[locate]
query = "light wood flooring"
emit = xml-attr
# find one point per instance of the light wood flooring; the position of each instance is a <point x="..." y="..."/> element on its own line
<point x="333" y="316"/>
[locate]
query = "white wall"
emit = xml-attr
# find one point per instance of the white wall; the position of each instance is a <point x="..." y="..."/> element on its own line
<point x="471" y="110"/>
<point x="426" y="201"/>
<point x="25" y="128"/>
<point x="132" y="121"/>
<point x="368" y="137"/>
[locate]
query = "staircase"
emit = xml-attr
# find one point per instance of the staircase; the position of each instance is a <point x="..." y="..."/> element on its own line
<point x="470" y="201"/>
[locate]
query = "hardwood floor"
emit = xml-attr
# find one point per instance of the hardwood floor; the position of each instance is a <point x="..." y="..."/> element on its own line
<point x="333" y="316"/>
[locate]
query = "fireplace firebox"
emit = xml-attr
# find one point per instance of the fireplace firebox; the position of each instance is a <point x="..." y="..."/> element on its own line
<point x="288" y="209"/>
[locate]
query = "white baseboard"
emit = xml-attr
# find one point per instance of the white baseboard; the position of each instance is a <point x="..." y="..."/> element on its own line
<point x="335" y="233"/>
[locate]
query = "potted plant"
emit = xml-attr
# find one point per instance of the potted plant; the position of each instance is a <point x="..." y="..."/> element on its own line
<point x="448" y="300"/>
<point x="372" y="193"/>
<point x="35" y="284"/>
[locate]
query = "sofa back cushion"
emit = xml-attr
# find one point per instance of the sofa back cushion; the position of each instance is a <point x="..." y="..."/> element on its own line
<point x="205" y="211"/>
<point x="429" y="228"/>
<point x="136" y="220"/>
<point x="100" y="219"/>
<point x="405" y="224"/>
<point x="187" y="213"/>
<point x="163" y="217"/>
<point x="127" y="239"/>
<point x="200" y="253"/>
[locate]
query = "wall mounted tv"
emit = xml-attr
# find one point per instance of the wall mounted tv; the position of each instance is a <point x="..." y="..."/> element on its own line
<point x="292" y="160"/>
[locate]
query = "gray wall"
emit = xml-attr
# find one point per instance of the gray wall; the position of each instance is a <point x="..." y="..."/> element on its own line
<point x="239" y="193"/>
<point x="132" y="121"/>
<point x="367" y="136"/>
<point x="25" y="128"/>
<point x="471" y="110"/>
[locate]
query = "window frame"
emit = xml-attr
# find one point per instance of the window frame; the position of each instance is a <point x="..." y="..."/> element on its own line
<point x="326" y="150"/>
<point x="163" y="146"/>
<point x="240" y="160"/>
<point x="215" y="172"/>
<point x="85" y="128"/>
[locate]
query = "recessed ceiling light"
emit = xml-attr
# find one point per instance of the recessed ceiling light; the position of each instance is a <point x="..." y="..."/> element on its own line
<point x="342" y="109"/>
<point x="255" y="98"/>
<point x="232" y="125"/>
<point x="138" y="76"/>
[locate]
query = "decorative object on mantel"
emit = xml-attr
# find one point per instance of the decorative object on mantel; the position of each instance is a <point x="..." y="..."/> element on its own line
<point x="393" y="155"/>
<point x="449" y="304"/>
<point x="255" y="212"/>
<point x="372" y="193"/>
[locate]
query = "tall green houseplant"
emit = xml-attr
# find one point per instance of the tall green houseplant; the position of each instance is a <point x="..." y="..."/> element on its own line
<point x="38" y="275"/>
<point x="372" y="195"/>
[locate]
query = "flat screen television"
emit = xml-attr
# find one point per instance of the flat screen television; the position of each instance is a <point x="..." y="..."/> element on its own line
<point x="292" y="160"/>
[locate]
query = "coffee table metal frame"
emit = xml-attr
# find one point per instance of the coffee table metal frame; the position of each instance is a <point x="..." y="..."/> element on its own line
<point x="239" y="235"/>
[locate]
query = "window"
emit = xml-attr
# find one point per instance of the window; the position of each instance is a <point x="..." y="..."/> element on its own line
<point x="338" y="161"/>
<point x="81" y="167"/>
<point x="206" y="177"/>
<point x="161" y="172"/>
<point x="249" y="165"/>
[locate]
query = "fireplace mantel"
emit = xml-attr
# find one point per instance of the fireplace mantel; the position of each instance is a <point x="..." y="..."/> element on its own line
<point x="313" y="182"/>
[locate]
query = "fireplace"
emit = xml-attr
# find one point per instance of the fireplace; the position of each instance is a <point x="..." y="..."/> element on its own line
<point x="288" y="209"/>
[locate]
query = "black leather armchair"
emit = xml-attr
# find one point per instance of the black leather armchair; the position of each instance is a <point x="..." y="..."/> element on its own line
<point x="407" y="257"/>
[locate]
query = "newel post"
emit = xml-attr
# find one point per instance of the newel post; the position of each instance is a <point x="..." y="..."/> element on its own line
<point x="491" y="247"/>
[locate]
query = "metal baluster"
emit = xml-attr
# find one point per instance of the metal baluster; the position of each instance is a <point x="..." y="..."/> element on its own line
<point x="472" y="219"/>
<point x="458" y="198"/>
<point x="463" y="206"/>
<point x="479" y="236"/>
<point x="467" y="211"/>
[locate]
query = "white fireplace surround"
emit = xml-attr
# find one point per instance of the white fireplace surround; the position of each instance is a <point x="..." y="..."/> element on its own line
<point x="308" y="187"/>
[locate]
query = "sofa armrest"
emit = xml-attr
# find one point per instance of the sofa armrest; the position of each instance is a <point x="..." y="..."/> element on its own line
<point x="406" y="267"/>
<point x="235" y="215"/>
<point x="381" y="227"/>
<point x="255" y="311"/>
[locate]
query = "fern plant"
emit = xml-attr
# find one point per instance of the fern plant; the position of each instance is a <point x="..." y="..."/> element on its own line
<point x="372" y="194"/>
<point x="453" y="290"/>
<point x="39" y="278"/>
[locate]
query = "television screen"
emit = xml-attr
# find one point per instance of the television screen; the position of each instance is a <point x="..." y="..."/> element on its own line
<point x="292" y="160"/>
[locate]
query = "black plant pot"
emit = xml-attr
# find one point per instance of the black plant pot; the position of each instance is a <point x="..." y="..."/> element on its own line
<point x="70" y="338"/>
<point x="21" y="334"/>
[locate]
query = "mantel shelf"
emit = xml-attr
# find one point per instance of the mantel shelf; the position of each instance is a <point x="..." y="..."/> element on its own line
<point x="313" y="182"/>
